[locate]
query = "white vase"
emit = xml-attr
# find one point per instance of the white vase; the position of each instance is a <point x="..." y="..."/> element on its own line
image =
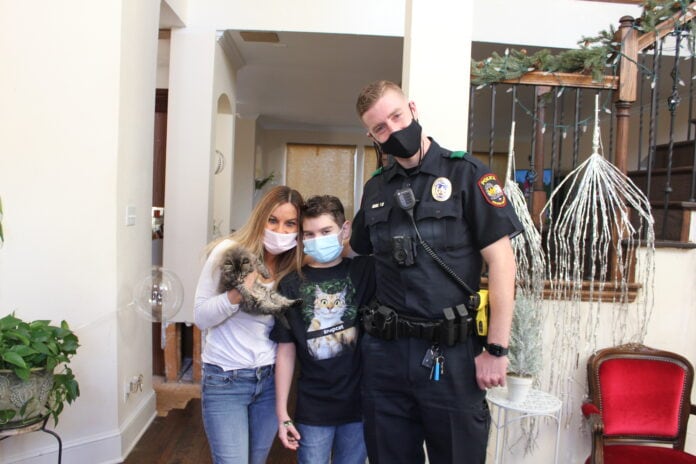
<point x="518" y="387"/>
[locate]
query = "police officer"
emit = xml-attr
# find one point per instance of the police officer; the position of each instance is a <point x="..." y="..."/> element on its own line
<point x="416" y="386"/>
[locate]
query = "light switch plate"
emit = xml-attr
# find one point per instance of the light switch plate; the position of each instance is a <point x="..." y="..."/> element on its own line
<point x="130" y="215"/>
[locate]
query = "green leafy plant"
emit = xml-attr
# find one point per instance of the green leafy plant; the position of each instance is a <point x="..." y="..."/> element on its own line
<point x="526" y="338"/>
<point x="260" y="183"/>
<point x="26" y="347"/>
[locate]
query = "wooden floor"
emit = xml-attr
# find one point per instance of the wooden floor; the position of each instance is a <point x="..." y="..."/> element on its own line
<point x="176" y="436"/>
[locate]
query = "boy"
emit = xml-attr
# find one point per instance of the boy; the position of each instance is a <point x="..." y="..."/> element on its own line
<point x="324" y="333"/>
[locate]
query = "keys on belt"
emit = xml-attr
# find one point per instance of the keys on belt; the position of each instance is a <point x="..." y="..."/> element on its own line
<point x="385" y="323"/>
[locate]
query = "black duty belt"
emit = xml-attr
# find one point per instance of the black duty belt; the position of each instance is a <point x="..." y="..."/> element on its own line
<point x="383" y="322"/>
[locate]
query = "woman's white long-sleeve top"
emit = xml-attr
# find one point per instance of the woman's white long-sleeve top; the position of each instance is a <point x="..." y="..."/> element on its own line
<point x="234" y="339"/>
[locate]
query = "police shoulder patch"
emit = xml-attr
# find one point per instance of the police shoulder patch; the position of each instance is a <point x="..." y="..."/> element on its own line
<point x="492" y="191"/>
<point x="457" y="154"/>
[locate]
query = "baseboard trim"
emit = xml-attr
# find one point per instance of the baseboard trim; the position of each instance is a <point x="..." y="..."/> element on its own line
<point x="105" y="448"/>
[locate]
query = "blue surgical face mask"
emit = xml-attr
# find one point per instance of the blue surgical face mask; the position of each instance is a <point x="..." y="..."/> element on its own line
<point x="324" y="249"/>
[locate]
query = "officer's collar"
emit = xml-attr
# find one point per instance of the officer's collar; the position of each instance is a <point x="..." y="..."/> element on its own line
<point x="428" y="165"/>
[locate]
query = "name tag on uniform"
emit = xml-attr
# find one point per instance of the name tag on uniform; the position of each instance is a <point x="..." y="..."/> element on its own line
<point x="377" y="205"/>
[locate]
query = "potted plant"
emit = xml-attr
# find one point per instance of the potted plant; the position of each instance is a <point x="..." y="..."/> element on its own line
<point x="35" y="379"/>
<point x="525" y="353"/>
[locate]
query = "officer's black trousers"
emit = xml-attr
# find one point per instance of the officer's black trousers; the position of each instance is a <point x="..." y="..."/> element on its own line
<point x="402" y="406"/>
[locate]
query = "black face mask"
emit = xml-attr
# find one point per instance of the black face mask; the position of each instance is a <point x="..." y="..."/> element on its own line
<point x="405" y="142"/>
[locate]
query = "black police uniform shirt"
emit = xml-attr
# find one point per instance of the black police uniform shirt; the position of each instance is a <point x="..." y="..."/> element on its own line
<point x="460" y="209"/>
<point x="325" y="329"/>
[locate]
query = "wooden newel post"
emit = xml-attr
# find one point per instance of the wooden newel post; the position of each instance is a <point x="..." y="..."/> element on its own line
<point x="538" y="199"/>
<point x="623" y="113"/>
<point x="623" y="101"/>
<point x="628" y="84"/>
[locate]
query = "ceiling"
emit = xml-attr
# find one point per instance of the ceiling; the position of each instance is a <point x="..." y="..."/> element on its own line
<point x="309" y="81"/>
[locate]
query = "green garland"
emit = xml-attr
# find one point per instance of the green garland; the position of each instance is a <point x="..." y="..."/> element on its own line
<point x="595" y="57"/>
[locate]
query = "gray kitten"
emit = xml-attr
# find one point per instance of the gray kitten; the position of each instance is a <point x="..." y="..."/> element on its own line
<point x="236" y="264"/>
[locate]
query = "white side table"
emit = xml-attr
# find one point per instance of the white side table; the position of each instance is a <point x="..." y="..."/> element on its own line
<point x="537" y="404"/>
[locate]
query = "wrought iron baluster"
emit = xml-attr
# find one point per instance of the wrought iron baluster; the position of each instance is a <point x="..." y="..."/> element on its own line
<point x="692" y="44"/>
<point x="514" y="102"/>
<point x="564" y="131"/>
<point x="692" y="197"/>
<point x="531" y="174"/>
<point x="554" y="135"/>
<point x="654" y="111"/>
<point x="491" y="134"/>
<point x="576" y="136"/>
<point x="611" y="153"/>
<point x="641" y="85"/>
<point x="470" y="136"/>
<point x="673" y="102"/>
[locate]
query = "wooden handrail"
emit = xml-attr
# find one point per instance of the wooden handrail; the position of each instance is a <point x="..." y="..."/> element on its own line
<point x="649" y="38"/>
<point x="559" y="79"/>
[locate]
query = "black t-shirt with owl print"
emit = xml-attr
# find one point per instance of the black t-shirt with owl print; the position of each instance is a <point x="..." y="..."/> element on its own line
<point x="325" y="329"/>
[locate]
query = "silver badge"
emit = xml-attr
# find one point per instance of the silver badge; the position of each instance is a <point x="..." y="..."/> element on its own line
<point x="442" y="189"/>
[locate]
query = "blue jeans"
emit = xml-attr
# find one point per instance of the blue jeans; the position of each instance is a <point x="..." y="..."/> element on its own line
<point x="320" y="442"/>
<point x="239" y="413"/>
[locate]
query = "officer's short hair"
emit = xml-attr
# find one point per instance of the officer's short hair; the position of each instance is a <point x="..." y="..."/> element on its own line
<point x="324" y="204"/>
<point x="373" y="92"/>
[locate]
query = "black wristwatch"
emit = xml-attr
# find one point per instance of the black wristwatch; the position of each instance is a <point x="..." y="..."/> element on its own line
<point x="496" y="350"/>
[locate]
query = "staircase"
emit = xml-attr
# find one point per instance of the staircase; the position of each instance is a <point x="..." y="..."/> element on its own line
<point x="674" y="213"/>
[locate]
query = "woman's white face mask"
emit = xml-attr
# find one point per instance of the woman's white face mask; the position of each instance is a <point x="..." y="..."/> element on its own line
<point x="276" y="243"/>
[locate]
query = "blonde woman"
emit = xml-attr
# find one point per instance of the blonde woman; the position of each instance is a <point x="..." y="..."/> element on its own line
<point x="238" y="394"/>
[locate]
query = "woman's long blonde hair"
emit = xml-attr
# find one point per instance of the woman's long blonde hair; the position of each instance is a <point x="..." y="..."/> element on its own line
<point x="250" y="235"/>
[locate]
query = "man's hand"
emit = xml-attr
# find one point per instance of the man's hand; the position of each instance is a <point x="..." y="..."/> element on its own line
<point x="490" y="370"/>
<point x="288" y="434"/>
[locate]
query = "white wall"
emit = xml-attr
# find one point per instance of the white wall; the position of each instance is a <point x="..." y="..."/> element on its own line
<point x="244" y="171"/>
<point x="190" y="133"/>
<point x="76" y="144"/>
<point x="222" y="181"/>
<point x="136" y="109"/>
<point x="224" y="93"/>
<point x="544" y="23"/>
<point x="437" y="67"/>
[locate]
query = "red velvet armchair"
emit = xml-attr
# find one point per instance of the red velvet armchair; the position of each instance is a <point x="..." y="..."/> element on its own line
<point x="640" y="402"/>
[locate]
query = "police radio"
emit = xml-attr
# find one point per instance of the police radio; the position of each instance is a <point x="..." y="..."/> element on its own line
<point x="478" y="301"/>
<point x="406" y="200"/>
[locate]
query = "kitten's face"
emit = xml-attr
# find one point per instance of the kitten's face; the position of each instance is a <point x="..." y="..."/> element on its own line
<point x="329" y="303"/>
<point x="238" y="262"/>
